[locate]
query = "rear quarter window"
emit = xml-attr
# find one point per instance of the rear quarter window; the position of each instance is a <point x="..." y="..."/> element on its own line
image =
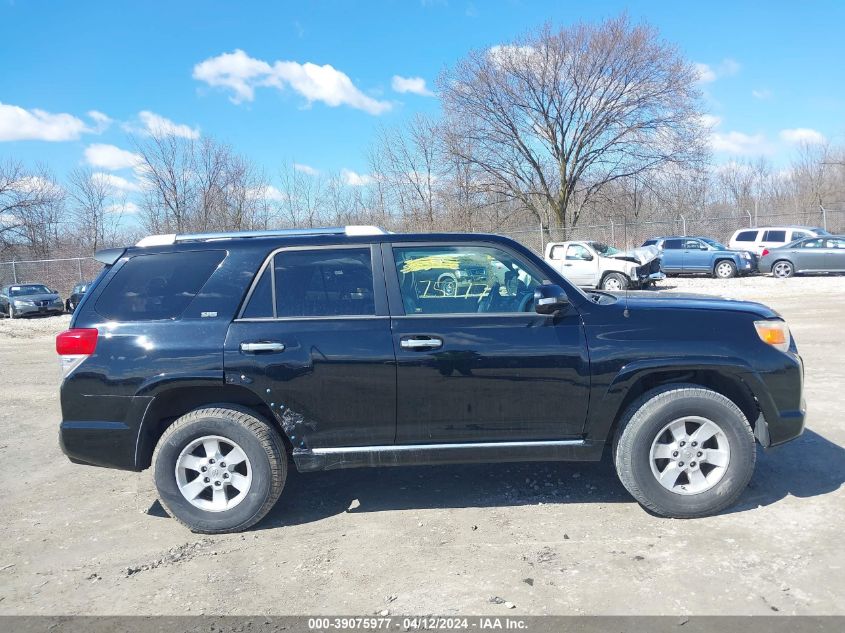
<point x="157" y="287"/>
<point x="746" y="236"/>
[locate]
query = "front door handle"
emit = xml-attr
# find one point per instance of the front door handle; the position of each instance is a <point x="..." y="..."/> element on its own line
<point x="262" y="346"/>
<point x="421" y="342"/>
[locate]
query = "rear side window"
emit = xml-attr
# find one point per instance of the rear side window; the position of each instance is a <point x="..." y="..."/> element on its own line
<point x="156" y="287"/>
<point x="315" y="283"/>
<point x="673" y="244"/>
<point x="746" y="236"/>
<point x="774" y="236"/>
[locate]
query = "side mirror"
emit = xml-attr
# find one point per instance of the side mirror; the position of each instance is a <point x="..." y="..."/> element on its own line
<point x="549" y="299"/>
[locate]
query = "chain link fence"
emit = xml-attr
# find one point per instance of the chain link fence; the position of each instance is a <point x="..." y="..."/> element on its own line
<point x="63" y="274"/>
<point x="59" y="274"/>
<point x="627" y="235"/>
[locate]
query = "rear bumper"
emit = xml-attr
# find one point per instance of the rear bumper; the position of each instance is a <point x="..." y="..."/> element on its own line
<point x="110" y="442"/>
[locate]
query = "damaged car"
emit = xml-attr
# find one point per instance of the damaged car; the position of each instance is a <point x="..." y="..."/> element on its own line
<point x="593" y="264"/>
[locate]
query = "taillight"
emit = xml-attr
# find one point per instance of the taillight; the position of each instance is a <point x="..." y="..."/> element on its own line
<point x="74" y="346"/>
<point x="765" y="252"/>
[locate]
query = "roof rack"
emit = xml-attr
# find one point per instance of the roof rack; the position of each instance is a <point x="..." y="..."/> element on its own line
<point x="173" y="238"/>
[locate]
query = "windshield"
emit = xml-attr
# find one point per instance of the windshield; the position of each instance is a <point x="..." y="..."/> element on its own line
<point x="603" y="249"/>
<point x="714" y="244"/>
<point x="29" y="289"/>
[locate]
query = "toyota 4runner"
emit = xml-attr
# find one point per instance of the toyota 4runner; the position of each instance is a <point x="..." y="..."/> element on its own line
<point x="217" y="359"/>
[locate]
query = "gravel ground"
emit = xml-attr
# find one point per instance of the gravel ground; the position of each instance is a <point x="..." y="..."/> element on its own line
<point x="548" y="538"/>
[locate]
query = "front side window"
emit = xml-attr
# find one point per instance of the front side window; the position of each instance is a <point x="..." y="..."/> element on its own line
<point x="324" y="282"/>
<point x="154" y="287"/>
<point x="464" y="279"/>
<point x="836" y="242"/>
<point x="578" y="253"/>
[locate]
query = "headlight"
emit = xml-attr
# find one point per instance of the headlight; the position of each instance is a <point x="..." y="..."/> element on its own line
<point x="23" y="302"/>
<point x="775" y="333"/>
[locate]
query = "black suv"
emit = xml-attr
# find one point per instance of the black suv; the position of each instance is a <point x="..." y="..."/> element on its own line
<point x="218" y="358"/>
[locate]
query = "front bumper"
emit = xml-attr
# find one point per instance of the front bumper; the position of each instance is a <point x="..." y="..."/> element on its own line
<point x="25" y="310"/>
<point x="651" y="278"/>
<point x="780" y="396"/>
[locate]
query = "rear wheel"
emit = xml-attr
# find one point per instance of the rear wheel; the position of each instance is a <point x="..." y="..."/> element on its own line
<point x="219" y="469"/>
<point x="783" y="269"/>
<point x="614" y="282"/>
<point x="724" y="269"/>
<point x="684" y="451"/>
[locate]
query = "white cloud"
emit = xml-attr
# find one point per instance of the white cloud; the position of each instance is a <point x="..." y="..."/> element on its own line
<point x="102" y="122"/>
<point x="761" y="94"/>
<point x="500" y="54"/>
<point x="127" y="208"/>
<point x="710" y="120"/>
<point x="355" y="179"/>
<point x="110" y="157"/>
<point x="155" y="124"/>
<point x="19" y="124"/>
<point x="803" y="135"/>
<point x="415" y="85"/>
<point x="117" y="182"/>
<point x="708" y="74"/>
<point x="241" y="74"/>
<point x="306" y="169"/>
<point x="740" y="143"/>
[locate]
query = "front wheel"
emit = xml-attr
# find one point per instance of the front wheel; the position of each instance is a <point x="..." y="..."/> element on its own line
<point x="783" y="269"/>
<point x="724" y="269"/>
<point x="219" y="469"/>
<point x="614" y="282"/>
<point x="684" y="451"/>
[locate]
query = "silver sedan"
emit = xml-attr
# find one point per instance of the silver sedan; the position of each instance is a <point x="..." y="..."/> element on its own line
<point x="808" y="255"/>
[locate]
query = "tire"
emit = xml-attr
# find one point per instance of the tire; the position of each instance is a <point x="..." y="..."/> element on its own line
<point x="724" y="269"/>
<point x="642" y="432"/>
<point x="265" y="466"/>
<point x="783" y="269"/>
<point x="614" y="282"/>
<point x="68" y="307"/>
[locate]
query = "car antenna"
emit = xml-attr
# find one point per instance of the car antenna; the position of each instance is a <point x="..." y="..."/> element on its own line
<point x="626" y="313"/>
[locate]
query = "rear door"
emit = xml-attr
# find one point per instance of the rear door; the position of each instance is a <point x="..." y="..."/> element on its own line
<point x="313" y="338"/>
<point x="673" y="256"/>
<point x="481" y="367"/>
<point x="835" y="258"/>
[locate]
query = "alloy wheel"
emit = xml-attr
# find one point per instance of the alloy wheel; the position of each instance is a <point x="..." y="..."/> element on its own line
<point x="213" y="473"/>
<point x="690" y="455"/>
<point x="782" y="269"/>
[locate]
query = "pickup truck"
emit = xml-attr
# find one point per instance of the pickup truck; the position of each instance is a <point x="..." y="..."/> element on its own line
<point x="596" y="265"/>
<point x="222" y="361"/>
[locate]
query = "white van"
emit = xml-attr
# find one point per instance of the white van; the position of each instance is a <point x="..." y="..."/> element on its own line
<point x="755" y="240"/>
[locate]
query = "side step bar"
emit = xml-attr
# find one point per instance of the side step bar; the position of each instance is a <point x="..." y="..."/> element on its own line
<point x="308" y="460"/>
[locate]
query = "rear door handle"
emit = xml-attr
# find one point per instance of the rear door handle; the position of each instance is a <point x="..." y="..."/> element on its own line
<point x="421" y="342"/>
<point x="262" y="346"/>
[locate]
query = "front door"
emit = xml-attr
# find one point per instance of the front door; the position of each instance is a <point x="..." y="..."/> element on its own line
<point x="835" y="258"/>
<point x="313" y="341"/>
<point x="581" y="266"/>
<point x="480" y="365"/>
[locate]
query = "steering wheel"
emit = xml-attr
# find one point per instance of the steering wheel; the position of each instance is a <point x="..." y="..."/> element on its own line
<point x="526" y="304"/>
<point x="485" y="303"/>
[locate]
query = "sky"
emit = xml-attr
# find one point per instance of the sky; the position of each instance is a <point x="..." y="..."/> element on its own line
<point x="310" y="83"/>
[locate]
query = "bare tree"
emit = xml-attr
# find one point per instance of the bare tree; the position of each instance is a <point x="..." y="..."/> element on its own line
<point x="558" y="115"/>
<point x="30" y="208"/>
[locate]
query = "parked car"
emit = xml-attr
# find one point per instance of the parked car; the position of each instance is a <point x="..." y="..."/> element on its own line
<point x="696" y="255"/>
<point x="807" y="255"/>
<point x="76" y="296"/>
<point x="597" y="265"/>
<point x="215" y="359"/>
<point x="760" y="238"/>
<point x="19" y="300"/>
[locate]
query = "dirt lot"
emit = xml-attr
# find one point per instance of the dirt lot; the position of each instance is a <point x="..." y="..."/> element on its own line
<point x="549" y="538"/>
